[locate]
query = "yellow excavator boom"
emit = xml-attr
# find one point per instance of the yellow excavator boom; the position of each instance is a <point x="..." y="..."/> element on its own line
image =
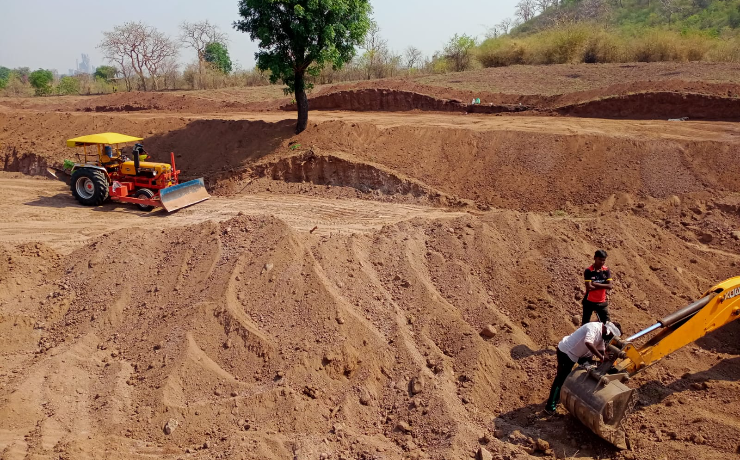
<point x="719" y="306"/>
<point x="598" y="396"/>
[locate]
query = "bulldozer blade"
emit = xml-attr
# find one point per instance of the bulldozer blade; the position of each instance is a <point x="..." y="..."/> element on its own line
<point x="59" y="175"/>
<point x="600" y="402"/>
<point x="182" y="195"/>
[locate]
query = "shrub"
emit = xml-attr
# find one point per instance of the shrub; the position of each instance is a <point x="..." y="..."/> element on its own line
<point x="500" y="52"/>
<point x="68" y="85"/>
<point x="41" y="81"/>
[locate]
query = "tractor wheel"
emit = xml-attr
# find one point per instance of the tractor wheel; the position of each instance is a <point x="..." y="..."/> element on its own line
<point x="144" y="194"/>
<point x="89" y="186"/>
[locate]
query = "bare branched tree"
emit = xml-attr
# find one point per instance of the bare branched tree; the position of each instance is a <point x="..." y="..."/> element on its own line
<point x="140" y="48"/>
<point x="413" y="57"/>
<point x="197" y="35"/>
<point x="375" y="49"/>
<point x="493" y="32"/>
<point x="525" y="10"/>
<point x="670" y="7"/>
<point x="542" y="5"/>
<point x="160" y="51"/>
<point x="594" y="9"/>
<point x="504" y="25"/>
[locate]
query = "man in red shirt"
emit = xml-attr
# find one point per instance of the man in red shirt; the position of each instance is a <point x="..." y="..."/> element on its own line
<point x="598" y="279"/>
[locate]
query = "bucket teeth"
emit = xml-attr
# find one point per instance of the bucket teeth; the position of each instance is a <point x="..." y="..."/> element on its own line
<point x="599" y="402"/>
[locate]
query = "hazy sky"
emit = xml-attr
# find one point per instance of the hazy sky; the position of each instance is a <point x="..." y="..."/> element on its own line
<point x="53" y="33"/>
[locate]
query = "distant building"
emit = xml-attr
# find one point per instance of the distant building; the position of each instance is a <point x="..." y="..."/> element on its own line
<point x="82" y="67"/>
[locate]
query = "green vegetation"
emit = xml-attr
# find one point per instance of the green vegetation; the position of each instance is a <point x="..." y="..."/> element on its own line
<point x="297" y="37"/>
<point x="105" y="72"/>
<point x="41" y="80"/>
<point x="459" y="52"/>
<point x="218" y="56"/>
<point x="68" y="85"/>
<point x="592" y="31"/>
<point x="4" y="76"/>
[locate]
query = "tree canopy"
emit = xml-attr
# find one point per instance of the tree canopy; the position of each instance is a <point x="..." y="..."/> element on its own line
<point x="106" y="72"/>
<point x="68" y="85"/>
<point x="41" y="80"/>
<point x="4" y="76"/>
<point x="298" y="36"/>
<point x="218" y="55"/>
<point x="458" y="51"/>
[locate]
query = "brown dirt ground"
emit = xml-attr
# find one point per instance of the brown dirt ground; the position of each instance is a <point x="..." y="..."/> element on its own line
<point x="333" y="272"/>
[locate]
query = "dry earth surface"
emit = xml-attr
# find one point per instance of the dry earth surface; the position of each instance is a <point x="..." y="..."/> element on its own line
<point x="328" y="301"/>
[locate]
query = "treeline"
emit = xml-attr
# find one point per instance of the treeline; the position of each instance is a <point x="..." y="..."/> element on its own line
<point x="541" y="32"/>
<point x="144" y="59"/>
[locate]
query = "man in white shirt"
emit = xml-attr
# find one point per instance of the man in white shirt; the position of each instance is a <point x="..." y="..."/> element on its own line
<point x="587" y="341"/>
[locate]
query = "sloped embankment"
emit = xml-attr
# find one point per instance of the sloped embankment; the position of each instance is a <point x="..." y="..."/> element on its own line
<point x="657" y="105"/>
<point x="386" y="100"/>
<point x="343" y="171"/>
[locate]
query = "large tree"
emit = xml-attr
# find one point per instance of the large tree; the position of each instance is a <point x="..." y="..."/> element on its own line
<point x="298" y="36"/>
<point x="459" y="51"/>
<point x="198" y="35"/>
<point x="137" y="47"/>
<point x="106" y="72"/>
<point x="218" y="56"/>
<point x="41" y="81"/>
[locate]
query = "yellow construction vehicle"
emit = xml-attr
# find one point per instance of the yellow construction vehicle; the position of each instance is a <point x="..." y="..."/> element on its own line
<point x="102" y="172"/>
<point x="598" y="396"/>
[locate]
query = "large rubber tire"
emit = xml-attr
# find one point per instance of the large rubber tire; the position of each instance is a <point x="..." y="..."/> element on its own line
<point x="89" y="186"/>
<point x="146" y="194"/>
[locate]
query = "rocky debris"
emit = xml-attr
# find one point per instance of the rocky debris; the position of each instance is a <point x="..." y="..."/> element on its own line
<point x="706" y="237"/>
<point x="365" y="397"/>
<point x="696" y="438"/>
<point x="311" y="392"/>
<point x="416" y="385"/>
<point x="542" y="446"/>
<point x="170" y="426"/>
<point x="403" y="427"/>
<point x="484" y="454"/>
<point x="489" y="332"/>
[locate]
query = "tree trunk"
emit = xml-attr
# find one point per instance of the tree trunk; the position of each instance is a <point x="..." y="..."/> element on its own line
<point x="142" y="79"/>
<point x="302" y="103"/>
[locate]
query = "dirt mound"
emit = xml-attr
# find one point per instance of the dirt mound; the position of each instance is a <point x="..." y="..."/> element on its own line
<point x="339" y="170"/>
<point x="256" y="340"/>
<point x="529" y="168"/>
<point x="658" y="105"/>
<point x="383" y="100"/>
<point x="149" y="101"/>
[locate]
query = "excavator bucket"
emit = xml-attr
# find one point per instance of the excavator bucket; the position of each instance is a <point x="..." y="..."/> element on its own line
<point x="600" y="402"/>
<point x="182" y="195"/>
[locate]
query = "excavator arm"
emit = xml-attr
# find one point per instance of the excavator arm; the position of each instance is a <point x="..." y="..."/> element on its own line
<point x="719" y="306"/>
<point x="598" y="396"/>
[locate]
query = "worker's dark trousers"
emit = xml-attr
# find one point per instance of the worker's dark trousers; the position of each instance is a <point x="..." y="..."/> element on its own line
<point x="565" y="365"/>
<point x="601" y="309"/>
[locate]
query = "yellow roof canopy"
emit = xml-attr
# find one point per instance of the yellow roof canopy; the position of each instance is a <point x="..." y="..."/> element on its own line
<point x="102" y="138"/>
